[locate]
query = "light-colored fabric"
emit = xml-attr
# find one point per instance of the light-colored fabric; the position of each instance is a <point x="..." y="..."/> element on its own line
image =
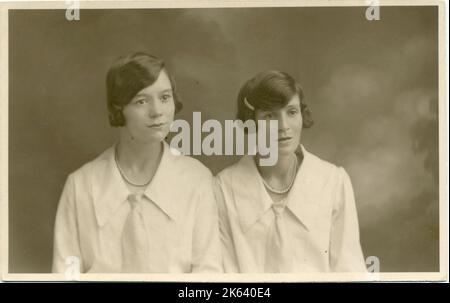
<point x="320" y="219"/>
<point x="135" y="189"/>
<point x="178" y="209"/>
<point x="135" y="252"/>
<point x="278" y="251"/>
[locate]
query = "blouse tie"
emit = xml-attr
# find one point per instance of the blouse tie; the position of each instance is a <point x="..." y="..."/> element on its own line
<point x="134" y="238"/>
<point x="278" y="252"/>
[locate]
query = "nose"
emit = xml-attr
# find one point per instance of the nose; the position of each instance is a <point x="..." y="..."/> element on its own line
<point x="155" y="110"/>
<point x="282" y="123"/>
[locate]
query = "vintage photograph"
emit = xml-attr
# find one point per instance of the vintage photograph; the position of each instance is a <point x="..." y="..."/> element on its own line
<point x="263" y="139"/>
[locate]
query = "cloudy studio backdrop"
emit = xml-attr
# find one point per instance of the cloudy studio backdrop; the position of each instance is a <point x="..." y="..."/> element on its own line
<point x="372" y="87"/>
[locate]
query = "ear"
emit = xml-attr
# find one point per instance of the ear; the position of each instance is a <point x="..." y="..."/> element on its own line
<point x="178" y="106"/>
<point x="117" y="107"/>
<point x="118" y="119"/>
<point x="306" y="116"/>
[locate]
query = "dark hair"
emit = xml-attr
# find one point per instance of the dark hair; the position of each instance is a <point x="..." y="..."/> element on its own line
<point x="129" y="75"/>
<point x="270" y="90"/>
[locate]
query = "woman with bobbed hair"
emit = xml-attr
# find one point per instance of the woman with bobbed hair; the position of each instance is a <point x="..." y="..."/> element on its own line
<point x="139" y="206"/>
<point x="296" y="216"/>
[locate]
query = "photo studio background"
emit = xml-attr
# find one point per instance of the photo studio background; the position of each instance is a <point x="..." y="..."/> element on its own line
<point x="372" y="87"/>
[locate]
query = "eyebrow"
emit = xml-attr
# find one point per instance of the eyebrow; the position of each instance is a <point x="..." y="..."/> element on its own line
<point x="162" y="91"/>
<point x="167" y="90"/>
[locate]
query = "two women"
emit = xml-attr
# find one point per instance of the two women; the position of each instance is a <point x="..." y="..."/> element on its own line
<point x="140" y="208"/>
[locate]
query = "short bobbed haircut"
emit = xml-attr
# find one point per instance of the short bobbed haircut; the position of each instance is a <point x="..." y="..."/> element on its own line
<point x="129" y="75"/>
<point x="268" y="91"/>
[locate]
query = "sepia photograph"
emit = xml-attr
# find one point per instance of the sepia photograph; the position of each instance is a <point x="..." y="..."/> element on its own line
<point x="257" y="141"/>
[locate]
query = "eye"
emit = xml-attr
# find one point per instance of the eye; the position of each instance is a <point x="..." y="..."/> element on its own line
<point x="140" y="101"/>
<point x="166" y="97"/>
<point x="293" y="112"/>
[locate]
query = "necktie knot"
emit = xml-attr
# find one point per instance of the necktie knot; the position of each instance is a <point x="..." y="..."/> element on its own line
<point x="134" y="200"/>
<point x="278" y="209"/>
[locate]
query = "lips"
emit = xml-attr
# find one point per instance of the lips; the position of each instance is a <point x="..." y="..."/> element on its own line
<point x="283" y="139"/>
<point x="156" y="125"/>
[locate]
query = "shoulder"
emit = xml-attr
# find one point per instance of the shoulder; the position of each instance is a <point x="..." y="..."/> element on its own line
<point x="322" y="167"/>
<point x="227" y="174"/>
<point x="325" y="171"/>
<point x="187" y="168"/>
<point x="98" y="165"/>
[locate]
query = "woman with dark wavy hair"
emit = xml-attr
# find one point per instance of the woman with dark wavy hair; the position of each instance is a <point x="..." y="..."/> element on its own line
<point x="296" y="216"/>
<point x="139" y="206"/>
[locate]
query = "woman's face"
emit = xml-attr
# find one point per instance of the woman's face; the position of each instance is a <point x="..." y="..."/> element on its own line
<point x="290" y="124"/>
<point x="149" y="114"/>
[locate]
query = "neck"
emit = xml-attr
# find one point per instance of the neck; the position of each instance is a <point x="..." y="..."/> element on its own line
<point x="280" y="170"/>
<point x="138" y="156"/>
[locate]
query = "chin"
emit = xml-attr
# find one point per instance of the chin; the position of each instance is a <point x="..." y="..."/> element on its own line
<point x="152" y="139"/>
<point x="156" y="136"/>
<point x="286" y="151"/>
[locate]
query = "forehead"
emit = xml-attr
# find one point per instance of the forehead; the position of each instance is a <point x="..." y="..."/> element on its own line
<point x="162" y="83"/>
<point x="293" y="102"/>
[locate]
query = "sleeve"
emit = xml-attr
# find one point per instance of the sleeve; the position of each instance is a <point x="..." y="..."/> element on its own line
<point x="229" y="259"/>
<point x="206" y="254"/>
<point x="66" y="249"/>
<point x="345" y="248"/>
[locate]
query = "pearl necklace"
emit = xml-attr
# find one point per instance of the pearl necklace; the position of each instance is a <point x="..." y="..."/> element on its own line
<point x="123" y="175"/>
<point x="283" y="191"/>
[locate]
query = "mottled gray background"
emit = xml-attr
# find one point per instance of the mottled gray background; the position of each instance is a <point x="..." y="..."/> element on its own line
<point x="372" y="88"/>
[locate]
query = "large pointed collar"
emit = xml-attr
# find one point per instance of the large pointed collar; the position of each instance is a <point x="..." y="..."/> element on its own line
<point x="110" y="191"/>
<point x="253" y="201"/>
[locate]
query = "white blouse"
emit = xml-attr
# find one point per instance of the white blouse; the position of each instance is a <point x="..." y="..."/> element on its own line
<point x="320" y="218"/>
<point x="180" y="216"/>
